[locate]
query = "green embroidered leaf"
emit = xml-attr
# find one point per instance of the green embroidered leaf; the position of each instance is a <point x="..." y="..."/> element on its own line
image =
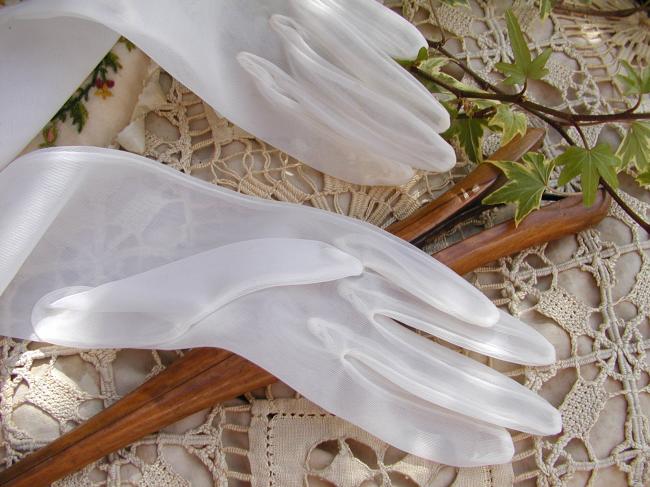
<point x="591" y="165"/>
<point x="636" y="81"/>
<point x="526" y="184"/>
<point x="509" y="122"/>
<point x="79" y="115"/>
<point x="469" y="134"/>
<point x="524" y="67"/>
<point x="112" y="60"/>
<point x="635" y="147"/>
<point x="127" y="43"/>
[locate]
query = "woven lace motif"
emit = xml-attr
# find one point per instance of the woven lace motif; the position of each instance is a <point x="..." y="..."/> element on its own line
<point x="589" y="294"/>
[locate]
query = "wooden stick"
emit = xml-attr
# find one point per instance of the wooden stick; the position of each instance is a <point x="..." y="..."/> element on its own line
<point x="204" y="377"/>
<point x="482" y="180"/>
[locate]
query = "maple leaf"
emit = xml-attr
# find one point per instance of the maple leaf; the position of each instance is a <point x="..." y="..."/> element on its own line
<point x="468" y="132"/>
<point x="524" y="66"/>
<point x="635" y="151"/>
<point x="634" y="83"/>
<point x="526" y="184"/>
<point x="545" y="7"/>
<point x="635" y="147"/>
<point x="591" y="165"/>
<point x="509" y="122"/>
<point x="644" y="179"/>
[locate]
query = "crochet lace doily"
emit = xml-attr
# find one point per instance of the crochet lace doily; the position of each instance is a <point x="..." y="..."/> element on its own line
<point x="589" y="294"/>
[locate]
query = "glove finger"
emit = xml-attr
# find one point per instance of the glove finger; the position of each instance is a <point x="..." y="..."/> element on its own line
<point x="508" y="339"/>
<point x="422" y="276"/>
<point x="381" y="27"/>
<point x="163" y="302"/>
<point x="306" y="108"/>
<point x="448" y="379"/>
<point x="353" y="49"/>
<point x="376" y="119"/>
<point x="278" y="330"/>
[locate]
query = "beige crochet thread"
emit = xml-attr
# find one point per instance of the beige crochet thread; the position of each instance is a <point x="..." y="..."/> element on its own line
<point x="589" y="294"/>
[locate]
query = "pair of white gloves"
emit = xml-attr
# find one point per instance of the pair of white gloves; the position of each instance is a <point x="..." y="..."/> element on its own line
<point x="100" y="248"/>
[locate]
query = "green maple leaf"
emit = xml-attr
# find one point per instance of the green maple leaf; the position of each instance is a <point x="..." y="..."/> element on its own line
<point x="526" y="184"/>
<point x="524" y="67"/>
<point x="591" y="165"/>
<point x="644" y="179"/>
<point x="469" y="134"/>
<point x="635" y="82"/>
<point x="422" y="56"/>
<point x="545" y="7"/>
<point x="509" y="122"/>
<point x="635" y="147"/>
<point x="433" y="65"/>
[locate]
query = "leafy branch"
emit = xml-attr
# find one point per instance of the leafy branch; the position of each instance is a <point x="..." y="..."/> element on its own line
<point x="473" y="110"/>
<point x="594" y="12"/>
<point x="547" y="6"/>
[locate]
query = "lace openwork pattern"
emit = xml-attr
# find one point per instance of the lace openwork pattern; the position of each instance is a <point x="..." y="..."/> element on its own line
<point x="589" y="294"/>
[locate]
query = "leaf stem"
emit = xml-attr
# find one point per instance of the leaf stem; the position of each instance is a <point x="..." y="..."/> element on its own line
<point x="566" y="118"/>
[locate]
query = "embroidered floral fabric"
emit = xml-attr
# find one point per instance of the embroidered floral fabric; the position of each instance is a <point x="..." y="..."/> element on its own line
<point x="588" y="294"/>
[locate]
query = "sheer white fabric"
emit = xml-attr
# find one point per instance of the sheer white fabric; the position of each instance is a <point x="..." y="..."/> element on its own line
<point x="113" y="235"/>
<point x="315" y="79"/>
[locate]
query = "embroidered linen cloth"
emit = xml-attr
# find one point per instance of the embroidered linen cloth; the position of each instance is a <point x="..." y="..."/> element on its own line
<point x="588" y="294"/>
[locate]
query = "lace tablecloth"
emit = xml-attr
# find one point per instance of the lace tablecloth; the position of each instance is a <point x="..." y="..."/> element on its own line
<point x="589" y="294"/>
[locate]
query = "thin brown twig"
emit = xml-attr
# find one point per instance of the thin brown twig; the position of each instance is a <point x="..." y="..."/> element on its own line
<point x="576" y="9"/>
<point x="633" y="214"/>
<point x="541" y="112"/>
<point x="565" y="118"/>
<point x="500" y="96"/>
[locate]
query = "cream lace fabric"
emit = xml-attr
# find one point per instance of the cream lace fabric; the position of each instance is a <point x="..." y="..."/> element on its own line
<point x="589" y="294"/>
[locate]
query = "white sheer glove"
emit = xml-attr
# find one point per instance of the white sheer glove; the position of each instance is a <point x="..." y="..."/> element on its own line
<point x="315" y="78"/>
<point x="110" y="249"/>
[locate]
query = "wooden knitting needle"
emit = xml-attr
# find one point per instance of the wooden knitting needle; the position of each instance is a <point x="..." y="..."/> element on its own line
<point x="204" y="377"/>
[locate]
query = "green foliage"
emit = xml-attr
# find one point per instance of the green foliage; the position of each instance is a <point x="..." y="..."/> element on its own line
<point x="526" y="184"/>
<point x="112" y="61"/>
<point x="423" y="55"/>
<point x="509" y="122"/>
<point x="456" y="3"/>
<point x="644" y="179"/>
<point x="524" y="66"/>
<point x="545" y="7"/>
<point x="468" y="132"/>
<point x="591" y="165"/>
<point x="433" y="67"/>
<point x="79" y="114"/>
<point x="635" y="150"/>
<point x="635" y="81"/>
<point x="127" y="43"/>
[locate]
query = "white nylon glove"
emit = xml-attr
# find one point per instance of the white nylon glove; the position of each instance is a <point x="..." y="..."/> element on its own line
<point x="109" y="249"/>
<point x="314" y="78"/>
